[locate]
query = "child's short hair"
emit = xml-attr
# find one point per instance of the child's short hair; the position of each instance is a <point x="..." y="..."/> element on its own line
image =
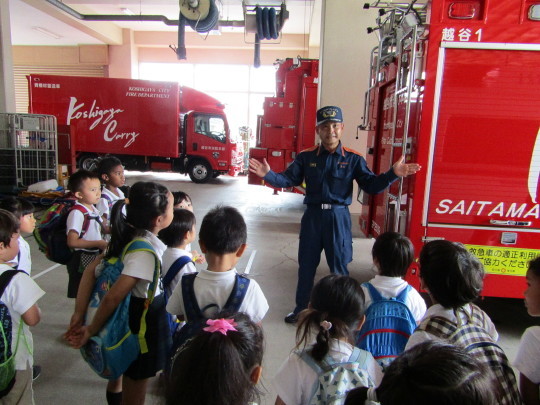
<point x="106" y="165"/>
<point x="17" y="206"/>
<point x="223" y="230"/>
<point x="432" y="373"/>
<point x="453" y="276"/>
<point x="534" y="266"/>
<point x="394" y="252"/>
<point x="76" y="180"/>
<point x="215" y="368"/>
<point x="335" y="299"/>
<point x="9" y="224"/>
<point x="183" y="221"/>
<point x="180" y="196"/>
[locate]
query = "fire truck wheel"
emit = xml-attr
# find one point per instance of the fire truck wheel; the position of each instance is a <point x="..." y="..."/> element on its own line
<point x="200" y="171"/>
<point x="88" y="162"/>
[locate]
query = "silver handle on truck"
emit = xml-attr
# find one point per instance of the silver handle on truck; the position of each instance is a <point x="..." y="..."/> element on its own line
<point x="510" y="223"/>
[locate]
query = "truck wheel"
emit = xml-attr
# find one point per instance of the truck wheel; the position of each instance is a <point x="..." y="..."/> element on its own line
<point x="200" y="171"/>
<point x="88" y="162"/>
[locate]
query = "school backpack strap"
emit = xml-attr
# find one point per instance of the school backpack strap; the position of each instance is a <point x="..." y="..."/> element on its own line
<point x="6" y="277"/>
<point x="108" y="198"/>
<point x="192" y="311"/>
<point x="175" y="268"/>
<point x="142" y="245"/>
<point x="238" y="293"/>
<point x="86" y="218"/>
<point x="402" y="296"/>
<point x="375" y="295"/>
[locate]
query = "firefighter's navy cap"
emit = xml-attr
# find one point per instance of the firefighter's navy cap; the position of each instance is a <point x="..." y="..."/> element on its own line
<point x="329" y="113"/>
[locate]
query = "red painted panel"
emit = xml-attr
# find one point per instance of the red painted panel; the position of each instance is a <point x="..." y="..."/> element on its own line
<point x="106" y="112"/>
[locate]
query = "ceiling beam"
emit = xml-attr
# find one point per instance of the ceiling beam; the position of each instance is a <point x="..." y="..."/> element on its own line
<point x="107" y="32"/>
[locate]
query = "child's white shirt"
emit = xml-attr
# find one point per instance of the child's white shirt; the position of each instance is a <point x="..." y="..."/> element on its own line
<point x="19" y="296"/>
<point x="390" y="287"/>
<point x="438" y="310"/>
<point x="75" y="221"/>
<point x="103" y="203"/>
<point x="528" y="354"/>
<point x="169" y="257"/>
<point x="23" y="261"/>
<point x="295" y="378"/>
<point x="141" y="265"/>
<point x="212" y="287"/>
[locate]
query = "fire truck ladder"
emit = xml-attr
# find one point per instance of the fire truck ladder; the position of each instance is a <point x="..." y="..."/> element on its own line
<point x="407" y="56"/>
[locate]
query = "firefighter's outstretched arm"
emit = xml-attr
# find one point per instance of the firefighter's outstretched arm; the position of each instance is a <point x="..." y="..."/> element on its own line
<point x="403" y="169"/>
<point x="260" y="169"/>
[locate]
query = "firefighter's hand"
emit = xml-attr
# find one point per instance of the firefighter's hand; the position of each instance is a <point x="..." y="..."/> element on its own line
<point x="403" y="169"/>
<point x="260" y="169"/>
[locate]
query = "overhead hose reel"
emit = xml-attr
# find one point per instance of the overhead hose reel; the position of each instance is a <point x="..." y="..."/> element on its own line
<point x="201" y="15"/>
<point x="266" y="23"/>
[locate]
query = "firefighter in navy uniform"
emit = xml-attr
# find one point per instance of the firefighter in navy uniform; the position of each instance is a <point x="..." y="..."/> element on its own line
<point x="329" y="170"/>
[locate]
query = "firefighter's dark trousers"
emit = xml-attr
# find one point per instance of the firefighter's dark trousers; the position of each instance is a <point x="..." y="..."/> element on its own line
<point x="328" y="229"/>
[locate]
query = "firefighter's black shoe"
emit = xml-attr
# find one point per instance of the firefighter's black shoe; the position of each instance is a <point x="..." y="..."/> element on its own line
<point x="291" y="318"/>
<point x="36" y="371"/>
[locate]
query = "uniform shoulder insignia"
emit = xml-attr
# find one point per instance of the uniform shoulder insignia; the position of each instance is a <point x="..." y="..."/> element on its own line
<point x="310" y="149"/>
<point x="352" y="151"/>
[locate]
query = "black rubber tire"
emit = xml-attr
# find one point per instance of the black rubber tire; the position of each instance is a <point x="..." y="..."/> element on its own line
<point x="88" y="161"/>
<point x="200" y="171"/>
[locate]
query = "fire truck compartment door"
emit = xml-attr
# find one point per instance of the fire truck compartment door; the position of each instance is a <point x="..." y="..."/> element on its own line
<point x="484" y="164"/>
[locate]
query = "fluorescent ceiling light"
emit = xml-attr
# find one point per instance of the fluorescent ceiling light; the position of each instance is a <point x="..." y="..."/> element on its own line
<point x="47" y="32"/>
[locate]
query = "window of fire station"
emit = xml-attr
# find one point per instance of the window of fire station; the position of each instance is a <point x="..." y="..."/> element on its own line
<point x="211" y="126"/>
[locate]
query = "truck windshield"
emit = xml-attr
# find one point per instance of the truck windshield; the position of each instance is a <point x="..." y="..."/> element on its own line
<point x="211" y="126"/>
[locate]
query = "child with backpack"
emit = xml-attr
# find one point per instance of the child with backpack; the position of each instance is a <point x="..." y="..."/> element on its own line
<point x="111" y="174"/>
<point x="393" y="307"/>
<point x="150" y="209"/>
<point x="18" y="311"/>
<point x="453" y="278"/>
<point x="83" y="226"/>
<point x="24" y="211"/>
<point x="201" y="295"/>
<point x="183" y="200"/>
<point x="177" y="261"/>
<point x="529" y="348"/>
<point x="325" y="363"/>
<point x="221" y="365"/>
<point x="431" y="373"/>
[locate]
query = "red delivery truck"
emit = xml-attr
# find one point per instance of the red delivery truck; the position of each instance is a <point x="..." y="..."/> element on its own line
<point x="148" y="125"/>
<point x="455" y="87"/>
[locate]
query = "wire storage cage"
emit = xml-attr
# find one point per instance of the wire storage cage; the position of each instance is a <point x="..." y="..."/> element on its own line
<point x="28" y="150"/>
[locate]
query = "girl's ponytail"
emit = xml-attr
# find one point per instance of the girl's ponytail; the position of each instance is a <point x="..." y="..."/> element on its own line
<point x="215" y="366"/>
<point x="335" y="311"/>
<point x="121" y="232"/>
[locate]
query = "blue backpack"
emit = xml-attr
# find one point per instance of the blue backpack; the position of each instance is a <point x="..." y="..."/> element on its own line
<point x="195" y="316"/>
<point x="115" y="347"/>
<point x="336" y="379"/>
<point x="166" y="281"/>
<point x="389" y="323"/>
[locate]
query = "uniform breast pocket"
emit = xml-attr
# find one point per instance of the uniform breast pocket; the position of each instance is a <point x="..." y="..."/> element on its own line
<point x="340" y="179"/>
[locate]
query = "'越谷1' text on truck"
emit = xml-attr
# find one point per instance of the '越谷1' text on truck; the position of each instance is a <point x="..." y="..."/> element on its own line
<point x="148" y="125"/>
<point x="454" y="86"/>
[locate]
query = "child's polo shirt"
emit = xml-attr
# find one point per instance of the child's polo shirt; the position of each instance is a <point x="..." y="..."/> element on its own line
<point x="213" y="287"/>
<point x="75" y="222"/>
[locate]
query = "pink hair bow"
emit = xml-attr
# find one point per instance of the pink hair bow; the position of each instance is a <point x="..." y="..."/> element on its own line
<point x="220" y="325"/>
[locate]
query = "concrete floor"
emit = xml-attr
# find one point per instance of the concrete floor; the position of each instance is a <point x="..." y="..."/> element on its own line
<point x="273" y="224"/>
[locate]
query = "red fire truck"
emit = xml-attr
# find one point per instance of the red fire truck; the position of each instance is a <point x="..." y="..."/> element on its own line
<point x="148" y="125"/>
<point x="288" y="124"/>
<point x="455" y="87"/>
